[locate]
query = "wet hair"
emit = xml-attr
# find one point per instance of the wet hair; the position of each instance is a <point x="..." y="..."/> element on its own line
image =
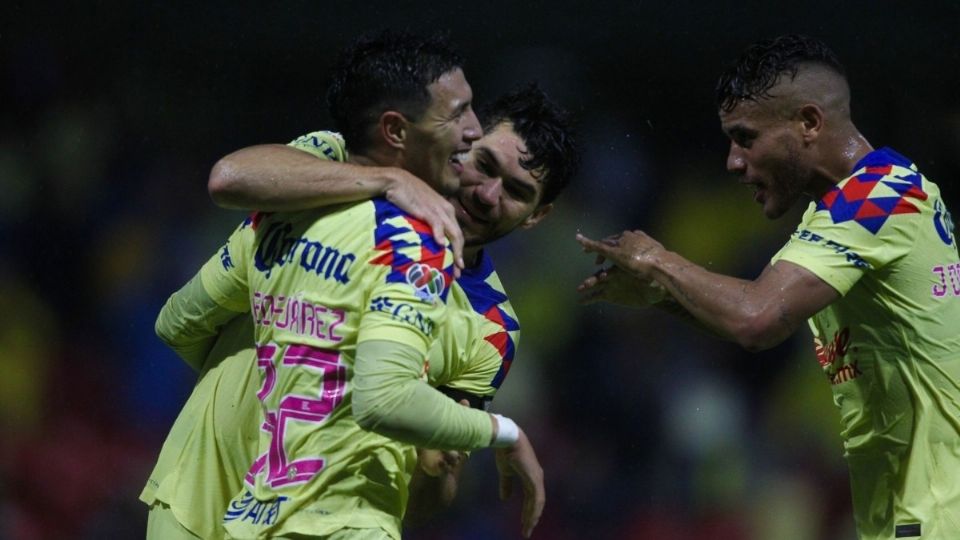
<point x="384" y="71"/>
<point x="547" y="131"/>
<point x="762" y="64"/>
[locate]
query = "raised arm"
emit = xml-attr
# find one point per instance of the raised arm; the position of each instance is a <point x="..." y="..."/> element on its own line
<point x="276" y="177"/>
<point x="756" y="314"/>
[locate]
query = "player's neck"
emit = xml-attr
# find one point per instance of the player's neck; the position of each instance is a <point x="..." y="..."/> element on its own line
<point x="844" y="151"/>
<point x="851" y="148"/>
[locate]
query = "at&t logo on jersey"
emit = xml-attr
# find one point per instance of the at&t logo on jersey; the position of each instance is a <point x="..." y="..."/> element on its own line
<point x="426" y="281"/>
<point x="401" y="311"/>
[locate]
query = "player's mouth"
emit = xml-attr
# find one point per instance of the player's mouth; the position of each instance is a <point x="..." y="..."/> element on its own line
<point x="456" y="160"/>
<point x="759" y="191"/>
<point x="465" y="216"/>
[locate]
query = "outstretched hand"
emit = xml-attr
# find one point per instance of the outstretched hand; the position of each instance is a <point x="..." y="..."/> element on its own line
<point x="616" y="286"/>
<point x="416" y="197"/>
<point x="520" y="461"/>
<point x="633" y="251"/>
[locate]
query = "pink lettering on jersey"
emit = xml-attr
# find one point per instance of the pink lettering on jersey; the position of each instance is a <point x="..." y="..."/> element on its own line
<point x="281" y="468"/>
<point x="948" y="280"/>
<point x="293" y="314"/>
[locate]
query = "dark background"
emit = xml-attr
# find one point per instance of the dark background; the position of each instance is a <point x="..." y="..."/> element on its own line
<point x="113" y="114"/>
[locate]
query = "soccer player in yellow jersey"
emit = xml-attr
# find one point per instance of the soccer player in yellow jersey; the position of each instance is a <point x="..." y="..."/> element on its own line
<point x="873" y="266"/>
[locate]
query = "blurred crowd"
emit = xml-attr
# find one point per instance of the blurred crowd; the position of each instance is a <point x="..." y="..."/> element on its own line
<point x="646" y="427"/>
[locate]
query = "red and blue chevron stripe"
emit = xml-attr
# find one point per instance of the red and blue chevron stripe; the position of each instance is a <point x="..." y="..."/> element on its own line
<point x="860" y="200"/>
<point x="486" y="301"/>
<point x="387" y="241"/>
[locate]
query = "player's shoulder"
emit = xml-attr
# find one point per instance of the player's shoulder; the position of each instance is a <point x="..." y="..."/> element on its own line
<point x="482" y="286"/>
<point x="393" y="223"/>
<point x="884" y="188"/>
<point x="405" y="246"/>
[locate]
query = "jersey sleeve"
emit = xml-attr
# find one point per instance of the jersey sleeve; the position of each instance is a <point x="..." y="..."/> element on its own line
<point x="488" y="365"/>
<point x="839" y="247"/>
<point x="491" y="352"/>
<point x="322" y="144"/>
<point x="392" y="400"/>
<point x="190" y="321"/>
<point x="407" y="300"/>
<point x="224" y="276"/>
<point x="191" y="318"/>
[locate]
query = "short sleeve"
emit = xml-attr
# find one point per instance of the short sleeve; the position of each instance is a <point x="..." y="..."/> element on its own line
<point x="839" y="248"/>
<point x="322" y="144"/>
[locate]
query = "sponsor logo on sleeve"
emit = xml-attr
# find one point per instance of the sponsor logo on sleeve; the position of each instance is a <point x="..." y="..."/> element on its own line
<point x="853" y="257"/>
<point x="225" y="259"/>
<point x="403" y="312"/>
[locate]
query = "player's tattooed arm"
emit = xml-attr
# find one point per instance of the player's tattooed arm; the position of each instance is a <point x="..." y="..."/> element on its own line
<point x="756" y="314"/>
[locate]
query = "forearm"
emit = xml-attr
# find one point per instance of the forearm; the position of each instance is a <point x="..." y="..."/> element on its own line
<point x="675" y="308"/>
<point x="189" y="322"/>
<point x="277" y="178"/>
<point x="390" y="399"/>
<point x="729" y="307"/>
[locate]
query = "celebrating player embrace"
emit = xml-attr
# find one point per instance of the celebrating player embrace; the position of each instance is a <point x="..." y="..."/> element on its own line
<point x="333" y="287"/>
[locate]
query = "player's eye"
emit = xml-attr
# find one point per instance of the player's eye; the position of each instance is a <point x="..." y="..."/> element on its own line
<point x="484" y="167"/>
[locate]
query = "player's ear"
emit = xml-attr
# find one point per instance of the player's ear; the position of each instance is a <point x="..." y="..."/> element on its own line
<point x="537" y="215"/>
<point x="811" y="121"/>
<point x="393" y="128"/>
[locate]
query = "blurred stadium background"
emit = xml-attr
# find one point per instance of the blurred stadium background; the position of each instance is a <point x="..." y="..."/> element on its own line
<point x="114" y="112"/>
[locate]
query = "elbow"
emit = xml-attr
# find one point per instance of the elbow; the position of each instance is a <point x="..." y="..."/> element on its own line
<point x="164" y="329"/>
<point x="222" y="183"/>
<point x="759" y="332"/>
<point x="366" y="413"/>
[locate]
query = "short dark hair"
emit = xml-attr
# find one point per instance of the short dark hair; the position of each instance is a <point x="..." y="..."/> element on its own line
<point x="547" y="131"/>
<point x="762" y="64"/>
<point x="386" y="70"/>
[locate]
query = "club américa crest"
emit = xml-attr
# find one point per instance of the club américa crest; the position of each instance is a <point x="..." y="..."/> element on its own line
<point x="426" y="281"/>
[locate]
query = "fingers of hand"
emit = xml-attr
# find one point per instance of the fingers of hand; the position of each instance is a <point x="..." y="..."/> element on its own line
<point x="533" y="502"/>
<point x="588" y="244"/>
<point x="506" y="486"/>
<point x="588" y="283"/>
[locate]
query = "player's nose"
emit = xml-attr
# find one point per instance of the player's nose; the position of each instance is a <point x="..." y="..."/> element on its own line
<point x="489" y="191"/>
<point x="471" y="127"/>
<point x="736" y="163"/>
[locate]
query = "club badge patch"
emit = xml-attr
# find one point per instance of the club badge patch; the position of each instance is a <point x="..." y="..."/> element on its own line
<point x="426" y="281"/>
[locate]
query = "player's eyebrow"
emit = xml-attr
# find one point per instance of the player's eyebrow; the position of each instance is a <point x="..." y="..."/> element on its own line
<point x="739" y="130"/>
<point x="460" y="109"/>
<point x="527" y="191"/>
